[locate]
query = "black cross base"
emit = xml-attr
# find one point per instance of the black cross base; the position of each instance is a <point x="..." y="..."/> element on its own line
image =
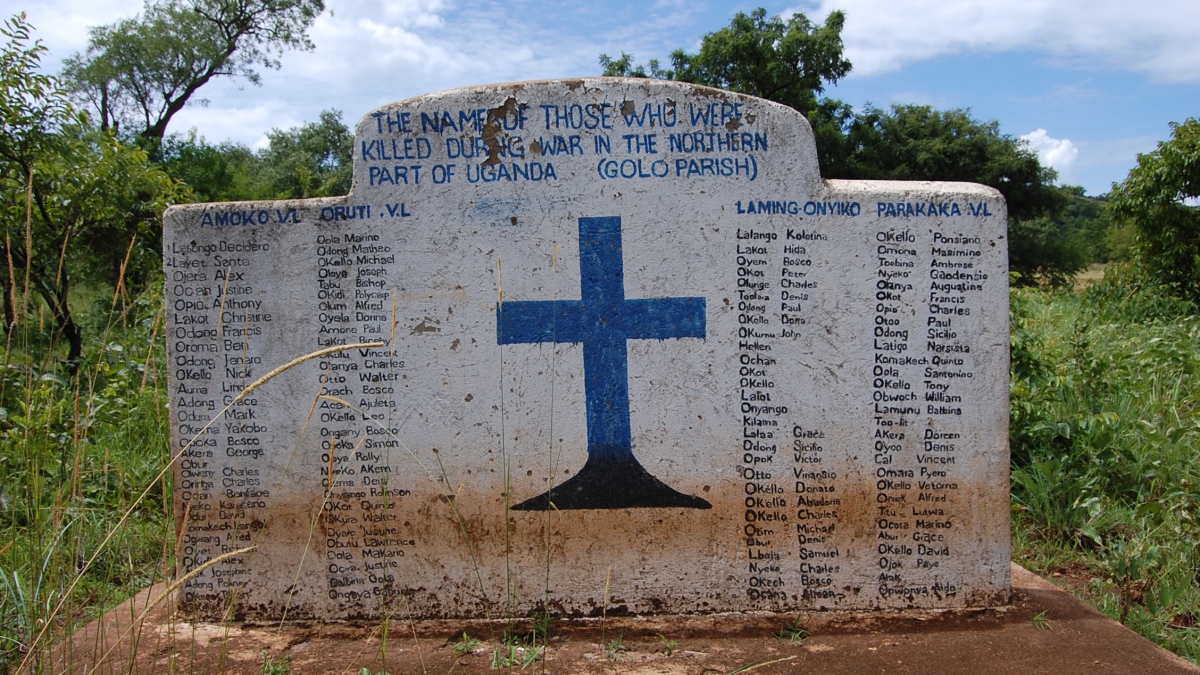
<point x="611" y="483"/>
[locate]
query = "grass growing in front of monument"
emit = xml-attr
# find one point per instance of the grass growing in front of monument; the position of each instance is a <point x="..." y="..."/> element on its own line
<point x="1105" y="434"/>
<point x="84" y="522"/>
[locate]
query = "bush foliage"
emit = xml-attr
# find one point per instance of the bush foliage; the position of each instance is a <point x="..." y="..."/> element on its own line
<point x="1159" y="201"/>
<point x="1104" y="431"/>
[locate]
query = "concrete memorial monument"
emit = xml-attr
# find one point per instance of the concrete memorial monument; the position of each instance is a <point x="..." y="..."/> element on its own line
<point x="584" y="337"/>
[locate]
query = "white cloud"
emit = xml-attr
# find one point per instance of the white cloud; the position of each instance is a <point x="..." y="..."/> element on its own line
<point x="63" y="24"/>
<point x="217" y="124"/>
<point x="1155" y="38"/>
<point x="367" y="53"/>
<point x="1057" y="153"/>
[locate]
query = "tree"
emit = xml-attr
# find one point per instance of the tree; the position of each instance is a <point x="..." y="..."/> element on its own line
<point x="913" y="142"/>
<point x="138" y="73"/>
<point x="1052" y="248"/>
<point x="625" y="67"/>
<point x="916" y="142"/>
<point x="791" y="62"/>
<point x="97" y="209"/>
<point x="31" y="102"/>
<point x="786" y="62"/>
<point x="216" y="173"/>
<point x="313" y="160"/>
<point x="1155" y="198"/>
<point x="73" y="199"/>
<point x="1045" y="251"/>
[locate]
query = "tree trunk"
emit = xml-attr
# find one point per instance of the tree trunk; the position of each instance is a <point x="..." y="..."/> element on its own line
<point x="156" y="131"/>
<point x="56" y="299"/>
<point x="104" y="107"/>
<point x="10" y="317"/>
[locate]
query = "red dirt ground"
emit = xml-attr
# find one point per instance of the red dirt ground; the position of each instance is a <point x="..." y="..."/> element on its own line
<point x="1077" y="639"/>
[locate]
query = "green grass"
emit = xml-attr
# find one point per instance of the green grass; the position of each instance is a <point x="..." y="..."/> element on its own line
<point x="511" y="654"/>
<point x="1040" y="621"/>
<point x="616" y="647"/>
<point x="275" y="665"/>
<point x="1105" y="432"/>
<point x="792" y="632"/>
<point x="76" y="454"/>
<point x="467" y="645"/>
<point x="667" y="646"/>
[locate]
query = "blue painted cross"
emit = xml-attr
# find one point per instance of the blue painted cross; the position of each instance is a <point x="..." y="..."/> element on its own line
<point x="603" y="321"/>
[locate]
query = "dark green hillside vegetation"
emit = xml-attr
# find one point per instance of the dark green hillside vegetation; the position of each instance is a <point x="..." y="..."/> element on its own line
<point x="1052" y="249"/>
<point x="1087" y="222"/>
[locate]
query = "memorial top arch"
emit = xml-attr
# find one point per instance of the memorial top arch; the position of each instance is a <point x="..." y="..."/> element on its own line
<point x="589" y="334"/>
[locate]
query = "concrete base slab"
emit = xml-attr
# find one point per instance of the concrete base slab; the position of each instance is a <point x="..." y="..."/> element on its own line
<point x="1077" y="639"/>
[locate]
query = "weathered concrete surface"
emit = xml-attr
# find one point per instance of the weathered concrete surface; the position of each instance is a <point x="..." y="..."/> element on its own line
<point x="742" y="387"/>
<point x="984" y="642"/>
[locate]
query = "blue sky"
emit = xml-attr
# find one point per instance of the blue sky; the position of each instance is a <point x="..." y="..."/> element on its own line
<point x="1089" y="82"/>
